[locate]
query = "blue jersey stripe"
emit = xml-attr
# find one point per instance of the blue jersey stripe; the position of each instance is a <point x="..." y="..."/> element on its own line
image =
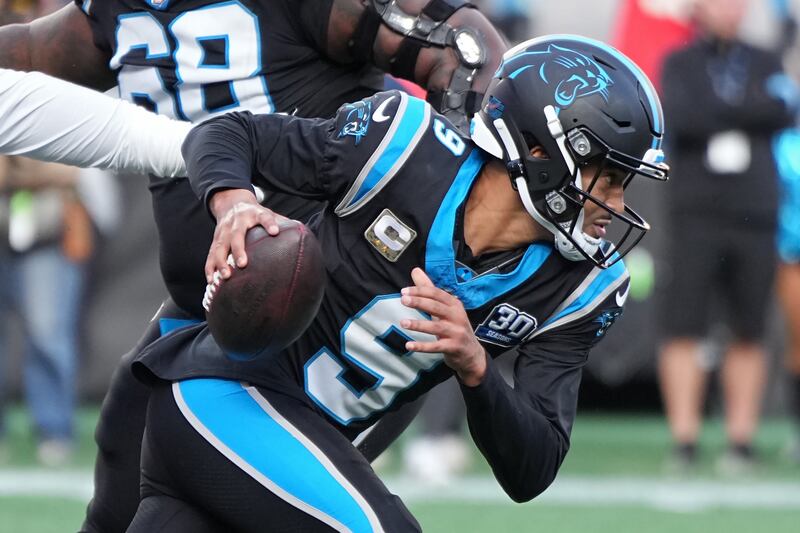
<point x="440" y="257"/>
<point x="263" y="444"/>
<point x="409" y="125"/>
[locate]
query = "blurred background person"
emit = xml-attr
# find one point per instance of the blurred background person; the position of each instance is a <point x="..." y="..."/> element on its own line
<point x="725" y="100"/>
<point x="47" y="241"/>
<point x="787" y="153"/>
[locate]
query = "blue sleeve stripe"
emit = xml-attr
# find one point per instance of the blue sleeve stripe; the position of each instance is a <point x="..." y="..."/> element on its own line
<point x="407" y="128"/>
<point x="86" y="6"/>
<point x="265" y="445"/>
<point x="168" y="325"/>
<point x="597" y="286"/>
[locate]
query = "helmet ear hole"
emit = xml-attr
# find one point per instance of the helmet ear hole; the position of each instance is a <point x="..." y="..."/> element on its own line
<point x="535" y="148"/>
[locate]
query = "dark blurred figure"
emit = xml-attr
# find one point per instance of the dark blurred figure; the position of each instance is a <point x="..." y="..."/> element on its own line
<point x="724" y="100"/>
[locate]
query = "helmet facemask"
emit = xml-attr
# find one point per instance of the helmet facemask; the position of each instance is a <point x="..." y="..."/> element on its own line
<point x="562" y="210"/>
<point x="593" y="165"/>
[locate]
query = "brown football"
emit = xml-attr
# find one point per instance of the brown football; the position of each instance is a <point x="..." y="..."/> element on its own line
<point x="267" y="305"/>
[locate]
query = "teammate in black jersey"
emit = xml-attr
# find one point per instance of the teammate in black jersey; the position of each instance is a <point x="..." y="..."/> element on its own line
<point x="192" y="59"/>
<point x="531" y="262"/>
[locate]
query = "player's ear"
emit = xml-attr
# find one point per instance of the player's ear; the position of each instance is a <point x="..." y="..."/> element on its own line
<point x="539" y="152"/>
<point x="535" y="148"/>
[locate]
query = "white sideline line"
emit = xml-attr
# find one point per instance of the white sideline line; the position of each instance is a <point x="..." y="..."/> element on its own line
<point x="658" y="493"/>
<point x="672" y="495"/>
<point x="69" y="484"/>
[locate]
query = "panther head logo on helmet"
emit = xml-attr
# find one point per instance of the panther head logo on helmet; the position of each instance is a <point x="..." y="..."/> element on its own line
<point x="572" y="73"/>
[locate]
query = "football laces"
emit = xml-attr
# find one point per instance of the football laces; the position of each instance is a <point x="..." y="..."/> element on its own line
<point x="216" y="281"/>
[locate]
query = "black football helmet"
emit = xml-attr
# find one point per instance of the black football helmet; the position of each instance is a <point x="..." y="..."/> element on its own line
<point x="589" y="107"/>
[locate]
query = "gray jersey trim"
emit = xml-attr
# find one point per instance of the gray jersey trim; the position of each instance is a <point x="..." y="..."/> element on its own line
<point x="587" y="309"/>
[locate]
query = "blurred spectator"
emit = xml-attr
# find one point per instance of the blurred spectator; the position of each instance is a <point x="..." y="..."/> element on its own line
<point x="9" y="13"/>
<point x="724" y="100"/>
<point x="787" y="153"/>
<point x="47" y="239"/>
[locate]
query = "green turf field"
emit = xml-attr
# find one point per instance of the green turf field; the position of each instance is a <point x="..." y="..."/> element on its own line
<point x="612" y="481"/>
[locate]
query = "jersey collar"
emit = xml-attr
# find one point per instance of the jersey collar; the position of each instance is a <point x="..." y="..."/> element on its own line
<point x="440" y="257"/>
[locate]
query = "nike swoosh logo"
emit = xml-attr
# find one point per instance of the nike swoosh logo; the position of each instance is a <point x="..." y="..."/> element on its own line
<point x="378" y="115"/>
<point x="621" y="297"/>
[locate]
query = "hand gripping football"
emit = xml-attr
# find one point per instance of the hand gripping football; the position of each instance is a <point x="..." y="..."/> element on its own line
<point x="262" y="308"/>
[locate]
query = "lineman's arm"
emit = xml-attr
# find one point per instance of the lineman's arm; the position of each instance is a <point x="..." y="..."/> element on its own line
<point x="356" y="32"/>
<point x="60" y="44"/>
<point x="52" y="120"/>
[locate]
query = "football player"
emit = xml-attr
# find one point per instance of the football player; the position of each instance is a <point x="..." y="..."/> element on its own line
<point x="512" y="239"/>
<point x="195" y="59"/>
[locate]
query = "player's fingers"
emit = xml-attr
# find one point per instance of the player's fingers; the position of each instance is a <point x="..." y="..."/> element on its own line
<point x="236" y="248"/>
<point x="424" y="326"/>
<point x="425" y="347"/>
<point x="420" y="278"/>
<point x="243" y="220"/>
<point x="433" y="307"/>
<point x="434" y="293"/>
<point x="216" y="260"/>
<point x="270" y="221"/>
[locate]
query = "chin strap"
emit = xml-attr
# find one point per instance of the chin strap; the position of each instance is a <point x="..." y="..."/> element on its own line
<point x="564" y="246"/>
<point x="503" y="147"/>
<point x="567" y="247"/>
<point x="583" y="240"/>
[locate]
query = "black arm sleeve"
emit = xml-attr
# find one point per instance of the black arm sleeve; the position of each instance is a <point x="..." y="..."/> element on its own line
<point x="524" y="431"/>
<point x="280" y="152"/>
<point x="310" y="158"/>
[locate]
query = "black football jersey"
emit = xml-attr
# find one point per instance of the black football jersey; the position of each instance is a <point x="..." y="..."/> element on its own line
<point x="195" y="59"/>
<point x="396" y="175"/>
